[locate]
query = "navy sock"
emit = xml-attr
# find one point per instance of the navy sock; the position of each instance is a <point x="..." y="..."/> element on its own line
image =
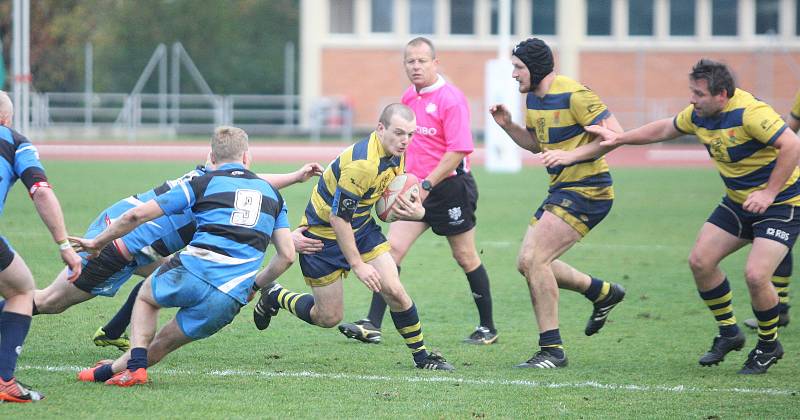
<point x="594" y="290"/>
<point x="138" y="359"/>
<point x="2" y="304"/>
<point x="103" y="373"/>
<point x="408" y="325"/>
<point x="117" y="325"/>
<point x="479" y="285"/>
<point x="550" y="341"/>
<point x="377" y="308"/>
<point x="299" y="304"/>
<point x="13" y="330"/>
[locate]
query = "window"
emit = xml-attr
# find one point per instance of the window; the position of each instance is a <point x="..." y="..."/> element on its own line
<point x="462" y="17"/>
<point x="767" y="16"/>
<point x="598" y="17"/>
<point x="496" y="16"/>
<point x="640" y="17"/>
<point x="382" y="15"/>
<point x="723" y="19"/>
<point x="543" y="19"/>
<point x="342" y="17"/>
<point x="681" y="17"/>
<point x="421" y="15"/>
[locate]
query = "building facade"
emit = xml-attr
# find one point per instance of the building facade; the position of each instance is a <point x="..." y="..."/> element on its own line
<point x="635" y="53"/>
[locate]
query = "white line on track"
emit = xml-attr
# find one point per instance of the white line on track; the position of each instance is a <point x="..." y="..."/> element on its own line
<point x="447" y="379"/>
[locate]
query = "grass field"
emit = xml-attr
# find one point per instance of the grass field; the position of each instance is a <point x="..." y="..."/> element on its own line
<point x="642" y="365"/>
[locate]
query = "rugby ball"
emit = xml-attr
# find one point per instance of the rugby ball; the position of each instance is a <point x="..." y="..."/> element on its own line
<point x="405" y="184"/>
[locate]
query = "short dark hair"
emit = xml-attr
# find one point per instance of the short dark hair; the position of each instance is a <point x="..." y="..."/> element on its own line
<point x="716" y="74"/>
<point x="420" y="40"/>
<point x="396" y="109"/>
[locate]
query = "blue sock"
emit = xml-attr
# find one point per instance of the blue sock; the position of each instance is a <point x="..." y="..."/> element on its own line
<point x="116" y="326"/>
<point x="103" y="373"/>
<point x="13" y="329"/>
<point x="138" y="359"/>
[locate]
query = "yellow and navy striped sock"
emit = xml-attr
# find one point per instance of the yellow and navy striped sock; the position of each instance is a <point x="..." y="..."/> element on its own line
<point x="767" y="328"/>
<point x="299" y="304"/>
<point x="598" y="290"/>
<point x="408" y="325"/>
<point x="550" y="341"/>
<point x="718" y="301"/>
<point x="780" y="279"/>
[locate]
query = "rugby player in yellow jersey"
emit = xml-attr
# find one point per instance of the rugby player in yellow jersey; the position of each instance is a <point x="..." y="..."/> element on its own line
<point x="783" y="274"/>
<point x="339" y="215"/>
<point x="756" y="156"/>
<point x="579" y="197"/>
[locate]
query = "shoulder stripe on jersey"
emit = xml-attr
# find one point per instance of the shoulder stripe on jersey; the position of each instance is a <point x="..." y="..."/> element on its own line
<point x="335" y="168"/>
<point x="729" y="119"/>
<point x="549" y="102"/>
<point x="22" y="149"/>
<point x="207" y="255"/>
<point x="133" y="201"/>
<point x="603" y="115"/>
<point x="360" y="150"/>
<point x="232" y="283"/>
<point x="256" y="239"/>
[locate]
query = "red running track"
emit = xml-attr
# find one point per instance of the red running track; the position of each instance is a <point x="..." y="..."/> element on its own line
<point x="630" y="156"/>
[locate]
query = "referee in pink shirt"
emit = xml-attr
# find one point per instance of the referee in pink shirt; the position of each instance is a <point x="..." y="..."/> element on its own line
<point x="439" y="156"/>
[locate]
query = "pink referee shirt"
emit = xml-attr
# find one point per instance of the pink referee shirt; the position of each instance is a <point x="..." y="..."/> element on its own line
<point x="442" y="126"/>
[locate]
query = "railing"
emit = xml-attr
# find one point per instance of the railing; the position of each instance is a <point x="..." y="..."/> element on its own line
<point x="192" y="114"/>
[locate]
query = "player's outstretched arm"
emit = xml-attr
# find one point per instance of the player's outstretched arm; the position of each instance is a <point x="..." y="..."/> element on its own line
<point x="303" y="174"/>
<point x="49" y="209"/>
<point x="524" y="138"/>
<point x="118" y="228"/>
<point x="591" y="150"/>
<point x="653" y="132"/>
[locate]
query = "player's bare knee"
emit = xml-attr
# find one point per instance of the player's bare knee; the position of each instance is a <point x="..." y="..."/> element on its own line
<point x="329" y="320"/>
<point x="468" y="260"/>
<point x="699" y="264"/>
<point x="757" y="277"/>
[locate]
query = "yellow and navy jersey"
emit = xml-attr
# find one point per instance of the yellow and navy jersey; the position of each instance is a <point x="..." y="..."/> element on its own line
<point x="557" y="119"/>
<point x="796" y="106"/>
<point x="350" y="186"/>
<point x="740" y="139"/>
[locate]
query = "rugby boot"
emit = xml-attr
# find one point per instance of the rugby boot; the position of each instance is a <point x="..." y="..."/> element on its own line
<point x="544" y="359"/>
<point x="264" y="311"/>
<point x="361" y="330"/>
<point x="602" y="308"/>
<point x="128" y="378"/>
<point x="720" y="347"/>
<point x="434" y="362"/>
<point x="758" y="361"/>
<point x="15" y="391"/>
<point x="481" y="336"/>
<point x="100" y="339"/>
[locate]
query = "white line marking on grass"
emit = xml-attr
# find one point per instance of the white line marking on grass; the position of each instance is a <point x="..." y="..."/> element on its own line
<point x="445" y="379"/>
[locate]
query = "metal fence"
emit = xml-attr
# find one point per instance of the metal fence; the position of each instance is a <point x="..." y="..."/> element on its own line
<point x="191" y="113"/>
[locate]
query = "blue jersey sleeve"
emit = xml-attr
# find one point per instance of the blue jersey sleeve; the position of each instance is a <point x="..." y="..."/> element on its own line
<point x="282" y="221"/>
<point x="177" y="199"/>
<point x="27" y="165"/>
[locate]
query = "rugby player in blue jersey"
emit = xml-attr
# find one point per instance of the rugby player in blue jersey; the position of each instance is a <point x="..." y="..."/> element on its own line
<point x="756" y="156"/>
<point x="237" y="215"/>
<point x="140" y="252"/>
<point x="21" y="161"/>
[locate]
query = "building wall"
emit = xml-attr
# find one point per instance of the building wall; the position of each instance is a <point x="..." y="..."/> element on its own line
<point x="638" y="86"/>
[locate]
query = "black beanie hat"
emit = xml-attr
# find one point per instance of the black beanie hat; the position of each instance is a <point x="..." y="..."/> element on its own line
<point x="537" y="57"/>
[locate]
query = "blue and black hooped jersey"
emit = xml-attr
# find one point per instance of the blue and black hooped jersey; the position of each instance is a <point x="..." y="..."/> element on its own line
<point x="236" y="213"/>
<point x="163" y="236"/>
<point x="20" y="161"/>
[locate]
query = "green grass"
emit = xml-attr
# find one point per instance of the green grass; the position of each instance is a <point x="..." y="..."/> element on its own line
<point x="643" y="364"/>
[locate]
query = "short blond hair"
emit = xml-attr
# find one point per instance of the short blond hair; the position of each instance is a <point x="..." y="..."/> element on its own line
<point x="228" y="144"/>
<point x="6" y="107"/>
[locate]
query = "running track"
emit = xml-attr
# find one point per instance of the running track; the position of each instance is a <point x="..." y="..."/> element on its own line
<point x="629" y="156"/>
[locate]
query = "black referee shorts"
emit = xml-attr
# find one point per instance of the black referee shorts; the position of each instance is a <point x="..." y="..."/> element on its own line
<point x="451" y="204"/>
